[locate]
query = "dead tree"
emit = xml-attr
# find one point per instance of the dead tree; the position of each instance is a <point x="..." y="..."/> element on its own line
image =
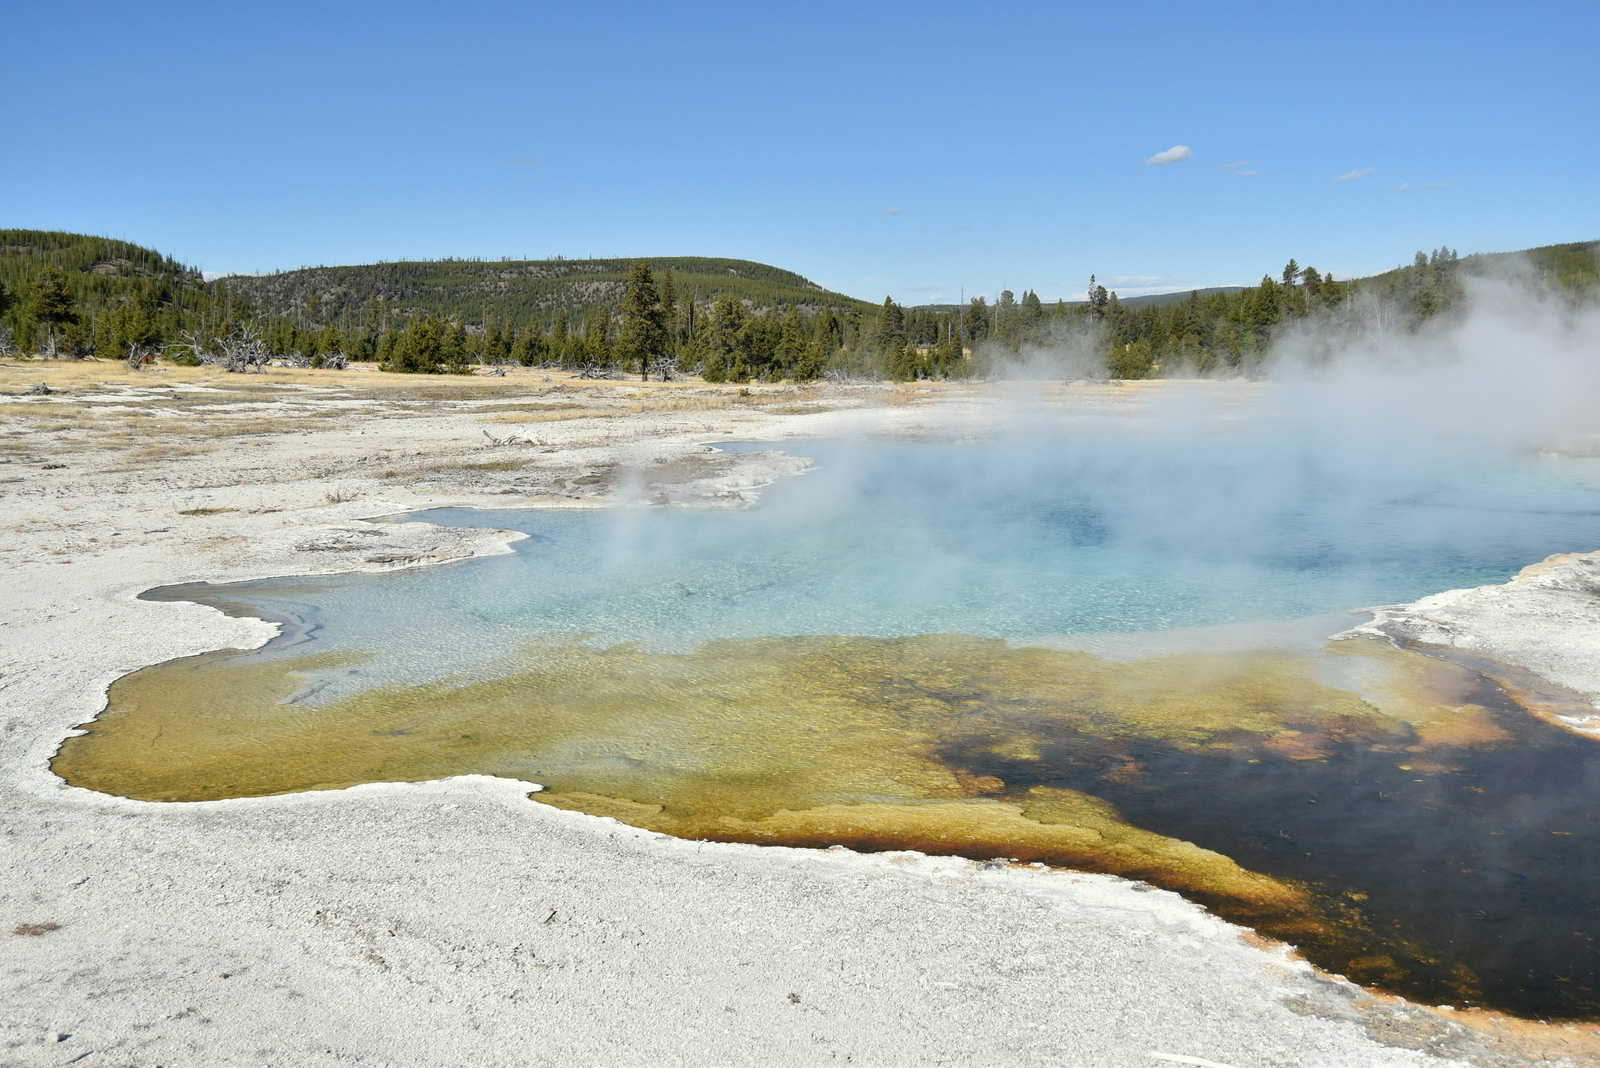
<point x="138" y="356"/>
<point x="598" y="370"/>
<point x="665" y="368"/>
<point x="239" y="352"/>
<point x="191" y="345"/>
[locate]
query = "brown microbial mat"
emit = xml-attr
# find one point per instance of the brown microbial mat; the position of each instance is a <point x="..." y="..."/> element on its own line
<point x="1394" y="816"/>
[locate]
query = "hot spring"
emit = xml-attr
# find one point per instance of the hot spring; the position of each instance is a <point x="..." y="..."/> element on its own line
<point x="1102" y="646"/>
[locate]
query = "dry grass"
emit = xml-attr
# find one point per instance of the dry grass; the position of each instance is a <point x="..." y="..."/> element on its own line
<point x="35" y="929"/>
<point x="530" y="406"/>
<point x="205" y="511"/>
<point x="555" y="416"/>
<point x="681" y="404"/>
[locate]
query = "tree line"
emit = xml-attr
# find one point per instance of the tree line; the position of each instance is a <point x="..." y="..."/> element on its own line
<point x="71" y="295"/>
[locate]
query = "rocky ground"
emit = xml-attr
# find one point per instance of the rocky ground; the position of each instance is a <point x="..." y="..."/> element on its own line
<point x="455" y="923"/>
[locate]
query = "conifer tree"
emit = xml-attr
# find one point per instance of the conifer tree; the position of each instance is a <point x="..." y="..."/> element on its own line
<point x="1032" y="308"/>
<point x="1097" y="300"/>
<point x="791" y="346"/>
<point x="596" y="337"/>
<point x="669" y="309"/>
<point x="52" y="307"/>
<point x="455" y="354"/>
<point x="643" y="337"/>
<point x="890" y="327"/>
<point x="559" y="334"/>
<point x="978" y="320"/>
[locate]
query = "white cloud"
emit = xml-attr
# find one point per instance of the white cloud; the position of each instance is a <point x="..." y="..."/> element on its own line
<point x="891" y="211"/>
<point x="522" y="161"/>
<point x="1142" y="285"/>
<point x="1405" y="187"/>
<point x="1354" y="175"/>
<point x="1236" y="163"/>
<point x="1245" y="174"/>
<point x="1172" y="155"/>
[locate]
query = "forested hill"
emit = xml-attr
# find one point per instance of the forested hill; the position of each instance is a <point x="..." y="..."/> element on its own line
<point x="1157" y="299"/>
<point x="1573" y="267"/>
<point x="727" y="320"/>
<point x="515" y="291"/>
<point x="96" y="273"/>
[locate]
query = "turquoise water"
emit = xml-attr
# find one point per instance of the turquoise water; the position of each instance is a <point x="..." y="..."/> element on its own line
<point x="1010" y="539"/>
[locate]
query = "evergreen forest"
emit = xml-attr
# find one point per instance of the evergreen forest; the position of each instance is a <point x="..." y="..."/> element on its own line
<point x="76" y="296"/>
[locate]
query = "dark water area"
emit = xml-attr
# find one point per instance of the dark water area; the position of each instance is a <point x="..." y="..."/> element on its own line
<point x="1473" y="881"/>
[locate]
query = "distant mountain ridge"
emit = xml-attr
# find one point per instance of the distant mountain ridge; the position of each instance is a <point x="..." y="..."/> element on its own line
<point x="1156" y="299"/>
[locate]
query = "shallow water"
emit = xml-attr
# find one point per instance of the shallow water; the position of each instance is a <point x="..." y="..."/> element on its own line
<point x="1001" y="540"/>
<point x="1394" y="816"/>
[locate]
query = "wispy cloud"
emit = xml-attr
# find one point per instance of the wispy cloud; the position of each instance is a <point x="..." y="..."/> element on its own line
<point x="890" y="211"/>
<point x="1142" y="285"/>
<point x="1175" y="154"/>
<point x="1245" y="174"/>
<point x="1142" y="280"/>
<point x="922" y="289"/>
<point x="1236" y="163"/>
<point x="1354" y="176"/>
<point x="522" y="161"/>
<point x="1405" y="187"/>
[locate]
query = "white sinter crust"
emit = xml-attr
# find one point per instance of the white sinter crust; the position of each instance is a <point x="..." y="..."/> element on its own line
<point x="455" y="922"/>
<point x="1546" y="621"/>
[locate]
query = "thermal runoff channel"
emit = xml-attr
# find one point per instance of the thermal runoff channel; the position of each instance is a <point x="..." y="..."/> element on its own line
<point x="1097" y="641"/>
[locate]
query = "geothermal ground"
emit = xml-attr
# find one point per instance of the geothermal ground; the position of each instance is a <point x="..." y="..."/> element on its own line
<point x="454" y="922"/>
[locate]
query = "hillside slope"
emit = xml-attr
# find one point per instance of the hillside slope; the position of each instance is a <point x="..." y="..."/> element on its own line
<point x="516" y="290"/>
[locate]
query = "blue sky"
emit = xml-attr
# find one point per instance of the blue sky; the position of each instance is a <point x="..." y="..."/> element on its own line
<point x="917" y="150"/>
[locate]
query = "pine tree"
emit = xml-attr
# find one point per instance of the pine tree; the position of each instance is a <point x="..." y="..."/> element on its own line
<point x="669" y="309"/>
<point x="792" y="344"/>
<point x="559" y="335"/>
<point x="1097" y="300"/>
<point x="644" y="335"/>
<point x="596" y="337"/>
<point x="1032" y="308"/>
<point x="52" y="307"/>
<point x="978" y="320"/>
<point x="890" y="328"/>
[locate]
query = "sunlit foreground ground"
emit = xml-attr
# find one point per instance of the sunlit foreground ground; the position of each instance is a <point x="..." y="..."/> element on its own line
<point x="929" y="741"/>
<point x="942" y="744"/>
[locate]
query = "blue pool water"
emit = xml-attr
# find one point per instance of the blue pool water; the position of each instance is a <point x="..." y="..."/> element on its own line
<point x="1012" y="539"/>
